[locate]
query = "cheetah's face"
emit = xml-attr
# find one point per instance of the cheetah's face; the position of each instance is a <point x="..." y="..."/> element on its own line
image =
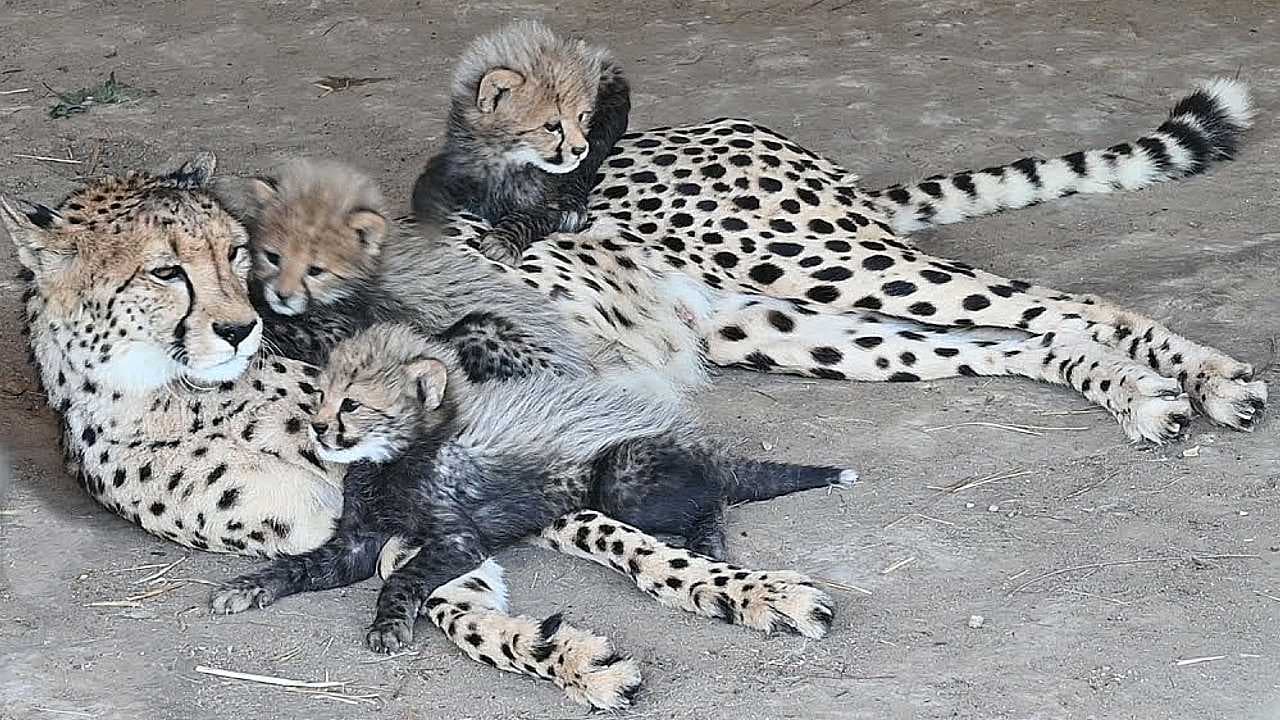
<point x="142" y="279"/>
<point x="308" y="251"/>
<point x="536" y="121"/>
<point x="373" y="411"/>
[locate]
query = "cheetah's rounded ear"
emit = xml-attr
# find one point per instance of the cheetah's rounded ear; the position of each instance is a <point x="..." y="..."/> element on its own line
<point x="195" y="172"/>
<point x="494" y="85"/>
<point x="370" y="227"/>
<point x="430" y="377"/>
<point x="33" y="228"/>
<point x="262" y="189"/>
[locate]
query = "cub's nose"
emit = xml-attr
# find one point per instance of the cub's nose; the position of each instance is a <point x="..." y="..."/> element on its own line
<point x="234" y="333"/>
<point x="320" y="428"/>
<point x="579" y="149"/>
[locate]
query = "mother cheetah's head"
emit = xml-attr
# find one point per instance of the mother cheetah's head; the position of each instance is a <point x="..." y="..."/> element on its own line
<point x="138" y="280"/>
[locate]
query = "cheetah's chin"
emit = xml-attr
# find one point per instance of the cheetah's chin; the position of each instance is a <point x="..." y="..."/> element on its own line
<point x="375" y="450"/>
<point x="225" y="371"/>
<point x="530" y="157"/>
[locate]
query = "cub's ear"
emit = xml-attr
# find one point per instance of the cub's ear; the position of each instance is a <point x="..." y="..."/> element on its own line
<point x="195" y="172"/>
<point x="430" y="378"/>
<point x="262" y="189"/>
<point x="244" y="197"/>
<point x="35" y="230"/>
<point x="494" y="85"/>
<point x="370" y="227"/>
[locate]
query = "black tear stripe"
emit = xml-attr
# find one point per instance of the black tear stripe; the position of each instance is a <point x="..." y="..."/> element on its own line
<point x="180" y="331"/>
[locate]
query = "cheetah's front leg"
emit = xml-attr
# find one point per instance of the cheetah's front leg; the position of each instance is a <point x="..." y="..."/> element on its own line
<point x="767" y="601"/>
<point x="346" y="559"/>
<point x="471" y="610"/>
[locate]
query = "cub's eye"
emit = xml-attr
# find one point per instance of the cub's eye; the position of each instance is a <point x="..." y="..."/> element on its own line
<point x="270" y="257"/>
<point x="168" y="273"/>
<point x="349" y="405"/>
<point x="315" y="271"/>
<point x="235" y="253"/>
<point x="552" y="127"/>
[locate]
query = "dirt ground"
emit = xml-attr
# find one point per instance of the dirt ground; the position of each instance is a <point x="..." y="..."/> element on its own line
<point x="892" y="89"/>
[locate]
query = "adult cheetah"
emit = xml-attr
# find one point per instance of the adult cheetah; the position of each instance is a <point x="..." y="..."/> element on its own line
<point x="799" y="270"/>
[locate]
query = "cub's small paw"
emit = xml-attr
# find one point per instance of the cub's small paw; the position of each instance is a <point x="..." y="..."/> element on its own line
<point x="573" y="219"/>
<point x="238" y="596"/>
<point x="388" y="636"/>
<point x="500" y="248"/>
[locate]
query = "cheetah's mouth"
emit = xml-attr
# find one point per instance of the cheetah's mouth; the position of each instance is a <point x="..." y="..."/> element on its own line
<point x="559" y="164"/>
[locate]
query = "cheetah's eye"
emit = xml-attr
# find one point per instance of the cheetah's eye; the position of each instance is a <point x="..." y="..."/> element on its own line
<point x="349" y="405"/>
<point x="270" y="257"/>
<point x="315" y="271"/>
<point x="552" y="127"/>
<point x="168" y="273"/>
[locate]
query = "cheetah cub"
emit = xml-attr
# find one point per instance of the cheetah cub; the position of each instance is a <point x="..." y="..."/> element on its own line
<point x="532" y="119"/>
<point x="461" y="470"/>
<point x="327" y="263"/>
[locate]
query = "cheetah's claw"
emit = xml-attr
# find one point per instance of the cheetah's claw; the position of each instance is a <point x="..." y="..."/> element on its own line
<point x="388" y="636"/>
<point x="498" y="247"/>
<point x="238" y="596"/>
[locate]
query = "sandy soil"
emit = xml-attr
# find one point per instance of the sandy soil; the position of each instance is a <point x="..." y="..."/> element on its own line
<point x="894" y="89"/>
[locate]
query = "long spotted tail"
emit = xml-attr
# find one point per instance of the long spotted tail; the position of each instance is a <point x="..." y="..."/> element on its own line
<point x="752" y="481"/>
<point x="1202" y="127"/>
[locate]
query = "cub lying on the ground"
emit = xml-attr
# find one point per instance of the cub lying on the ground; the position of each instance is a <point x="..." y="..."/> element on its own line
<point x="462" y="470"/>
<point x="532" y="119"/>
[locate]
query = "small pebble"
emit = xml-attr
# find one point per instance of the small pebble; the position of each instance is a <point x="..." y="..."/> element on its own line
<point x="994" y="508"/>
<point x="976" y="621"/>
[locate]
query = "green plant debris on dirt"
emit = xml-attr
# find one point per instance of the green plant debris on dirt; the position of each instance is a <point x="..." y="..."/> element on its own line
<point x="108" y="92"/>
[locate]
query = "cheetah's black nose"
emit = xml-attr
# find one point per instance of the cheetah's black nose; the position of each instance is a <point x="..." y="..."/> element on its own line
<point x="234" y="333"/>
<point x="320" y="428"/>
<point x="579" y="150"/>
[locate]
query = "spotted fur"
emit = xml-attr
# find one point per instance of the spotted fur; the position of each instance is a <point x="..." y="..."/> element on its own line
<point x="799" y="271"/>
<point x="1202" y="127"/>
<point x="461" y="470"/>
<point x="146" y="346"/>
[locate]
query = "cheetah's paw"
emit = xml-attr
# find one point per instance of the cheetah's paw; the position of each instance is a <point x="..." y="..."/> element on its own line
<point x="573" y="220"/>
<point x="774" y="602"/>
<point x="500" y="248"/>
<point x="1234" y="402"/>
<point x="1157" y="420"/>
<point x="589" y="670"/>
<point x="238" y="596"/>
<point x="389" y="635"/>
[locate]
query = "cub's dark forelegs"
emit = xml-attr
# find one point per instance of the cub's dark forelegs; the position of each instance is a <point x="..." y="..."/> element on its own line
<point x="346" y="559"/>
<point x="608" y="125"/>
<point x="406" y="591"/>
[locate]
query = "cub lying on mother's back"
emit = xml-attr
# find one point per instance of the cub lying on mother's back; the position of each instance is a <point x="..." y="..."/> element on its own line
<point x="328" y="263"/>
<point x="533" y="117"/>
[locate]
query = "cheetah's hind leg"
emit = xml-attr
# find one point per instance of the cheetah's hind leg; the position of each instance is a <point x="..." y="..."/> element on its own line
<point x="767" y="601"/>
<point x="471" y="610"/>
<point x="782" y="336"/>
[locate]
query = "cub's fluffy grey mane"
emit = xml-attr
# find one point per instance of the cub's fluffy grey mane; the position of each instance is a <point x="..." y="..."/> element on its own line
<point x="533" y="50"/>
<point x="343" y="188"/>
